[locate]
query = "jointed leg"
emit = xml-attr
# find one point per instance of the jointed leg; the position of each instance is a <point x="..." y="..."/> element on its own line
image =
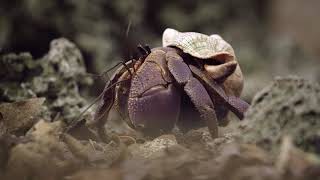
<point x="154" y="102"/>
<point x="194" y="89"/>
<point x="235" y="104"/>
<point x="107" y="100"/>
<point x="203" y="104"/>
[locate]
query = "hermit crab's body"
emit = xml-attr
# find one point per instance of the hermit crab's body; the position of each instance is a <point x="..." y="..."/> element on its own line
<point x="193" y="75"/>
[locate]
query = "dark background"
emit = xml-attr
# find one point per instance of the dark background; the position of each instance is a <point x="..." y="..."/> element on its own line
<point x="270" y="38"/>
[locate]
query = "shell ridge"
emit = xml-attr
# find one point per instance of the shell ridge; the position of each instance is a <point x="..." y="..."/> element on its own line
<point x="199" y="45"/>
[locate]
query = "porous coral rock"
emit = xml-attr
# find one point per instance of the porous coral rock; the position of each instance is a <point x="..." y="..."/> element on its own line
<point x="154" y="148"/>
<point x="57" y="76"/>
<point x="18" y="117"/>
<point x="288" y="106"/>
<point x="43" y="156"/>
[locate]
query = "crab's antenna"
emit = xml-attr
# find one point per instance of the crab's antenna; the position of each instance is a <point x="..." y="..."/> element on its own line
<point x="110" y="69"/>
<point x="128" y="69"/>
<point x="128" y="28"/>
<point x="98" y="123"/>
<point x="106" y="71"/>
<point x="121" y="116"/>
<point x="144" y="50"/>
<point x="118" y="63"/>
<point x="78" y="118"/>
<point x="114" y="66"/>
<point x="147" y="48"/>
<point x="129" y="53"/>
<point x="126" y="66"/>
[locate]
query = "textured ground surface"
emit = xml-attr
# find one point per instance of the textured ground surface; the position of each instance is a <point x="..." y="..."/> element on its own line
<point x="278" y="139"/>
<point x="288" y="106"/>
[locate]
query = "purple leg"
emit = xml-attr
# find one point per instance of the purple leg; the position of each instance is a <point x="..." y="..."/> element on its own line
<point x="235" y="104"/>
<point x="238" y="106"/>
<point x="154" y="102"/>
<point x="106" y="102"/>
<point x="195" y="90"/>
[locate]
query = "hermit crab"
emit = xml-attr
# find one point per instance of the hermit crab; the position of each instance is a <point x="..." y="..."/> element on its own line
<point x="193" y="79"/>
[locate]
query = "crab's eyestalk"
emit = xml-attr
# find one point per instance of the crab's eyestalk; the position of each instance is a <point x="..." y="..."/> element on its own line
<point x="144" y="50"/>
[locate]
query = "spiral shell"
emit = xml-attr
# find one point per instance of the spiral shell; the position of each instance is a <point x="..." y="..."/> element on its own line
<point x="198" y="45"/>
<point x="212" y="47"/>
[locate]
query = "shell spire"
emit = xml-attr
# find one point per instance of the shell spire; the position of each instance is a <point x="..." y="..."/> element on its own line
<point x="198" y="45"/>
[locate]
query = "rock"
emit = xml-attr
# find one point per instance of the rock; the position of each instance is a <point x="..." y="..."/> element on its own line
<point x="48" y="153"/>
<point x="18" y="67"/>
<point x="288" y="106"/>
<point x="18" y="117"/>
<point x="96" y="174"/>
<point x="96" y="153"/>
<point x="293" y="163"/>
<point x="232" y="161"/>
<point x="56" y="76"/>
<point x="152" y="149"/>
<point x="66" y="59"/>
<point x="43" y="156"/>
<point x="243" y="160"/>
<point x="200" y="139"/>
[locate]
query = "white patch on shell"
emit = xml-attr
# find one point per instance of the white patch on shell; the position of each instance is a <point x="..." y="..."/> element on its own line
<point x="196" y="44"/>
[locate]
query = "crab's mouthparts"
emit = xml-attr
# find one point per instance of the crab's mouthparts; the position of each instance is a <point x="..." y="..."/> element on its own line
<point x="220" y="73"/>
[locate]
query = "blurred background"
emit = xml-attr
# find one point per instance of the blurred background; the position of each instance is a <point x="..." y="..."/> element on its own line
<point x="271" y="38"/>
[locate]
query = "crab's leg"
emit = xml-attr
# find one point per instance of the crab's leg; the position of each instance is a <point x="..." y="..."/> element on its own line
<point x="107" y="100"/>
<point x="154" y="102"/>
<point x="194" y="89"/>
<point x="235" y="104"/>
<point x="109" y="93"/>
